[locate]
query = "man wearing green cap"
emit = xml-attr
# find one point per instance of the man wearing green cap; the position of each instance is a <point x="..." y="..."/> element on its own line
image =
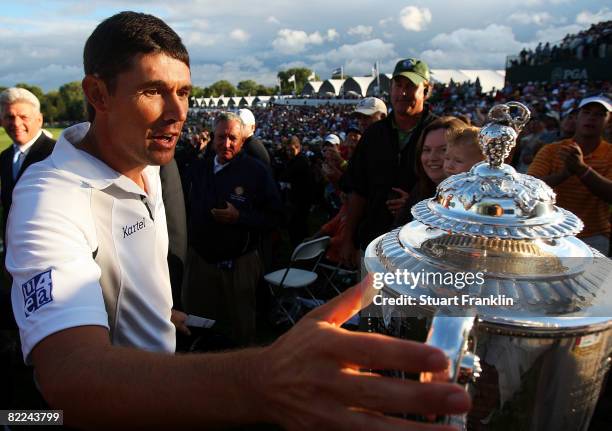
<point x="382" y="170"/>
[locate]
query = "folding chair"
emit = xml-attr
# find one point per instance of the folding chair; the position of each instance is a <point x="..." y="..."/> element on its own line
<point x="295" y="278"/>
<point x="332" y="271"/>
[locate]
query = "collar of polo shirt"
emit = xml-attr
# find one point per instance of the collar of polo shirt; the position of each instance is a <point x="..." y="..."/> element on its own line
<point x="95" y="172"/>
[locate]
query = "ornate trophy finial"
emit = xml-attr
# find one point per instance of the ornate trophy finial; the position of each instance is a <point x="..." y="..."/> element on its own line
<point x="498" y="137"/>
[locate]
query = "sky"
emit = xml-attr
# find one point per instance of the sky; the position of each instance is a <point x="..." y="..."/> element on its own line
<point x="41" y="42"/>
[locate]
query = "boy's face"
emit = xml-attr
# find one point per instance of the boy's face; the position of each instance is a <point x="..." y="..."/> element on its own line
<point x="460" y="158"/>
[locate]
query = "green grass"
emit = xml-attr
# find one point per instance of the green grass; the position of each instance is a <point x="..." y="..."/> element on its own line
<point x="5" y="141"/>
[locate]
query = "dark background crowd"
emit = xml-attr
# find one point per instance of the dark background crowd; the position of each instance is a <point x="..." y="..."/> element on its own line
<point x="596" y="42"/>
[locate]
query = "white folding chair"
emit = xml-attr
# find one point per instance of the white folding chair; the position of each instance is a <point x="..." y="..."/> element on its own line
<point x="295" y="278"/>
<point x="337" y="276"/>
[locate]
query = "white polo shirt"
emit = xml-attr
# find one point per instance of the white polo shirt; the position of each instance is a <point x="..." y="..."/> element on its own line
<point x="87" y="246"/>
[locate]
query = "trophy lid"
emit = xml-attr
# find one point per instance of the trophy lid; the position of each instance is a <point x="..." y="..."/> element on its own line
<point x="493" y="200"/>
<point x="505" y="225"/>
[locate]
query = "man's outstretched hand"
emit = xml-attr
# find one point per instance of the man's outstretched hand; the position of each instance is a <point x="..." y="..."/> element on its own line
<point x="316" y="375"/>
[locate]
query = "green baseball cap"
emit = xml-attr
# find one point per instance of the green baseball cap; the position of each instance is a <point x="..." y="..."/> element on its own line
<point x="415" y="70"/>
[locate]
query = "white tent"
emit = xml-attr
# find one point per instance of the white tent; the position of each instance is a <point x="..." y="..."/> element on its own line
<point x="264" y="100"/>
<point x="489" y="79"/>
<point x="247" y="101"/>
<point x="311" y="88"/>
<point x="358" y="84"/>
<point x="331" y="86"/>
<point x="234" y="102"/>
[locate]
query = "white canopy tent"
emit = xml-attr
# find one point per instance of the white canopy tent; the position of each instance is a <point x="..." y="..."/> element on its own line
<point x="331" y="86"/>
<point x="358" y="84"/>
<point x="311" y="88"/>
<point x="489" y="79"/>
<point x="247" y="101"/>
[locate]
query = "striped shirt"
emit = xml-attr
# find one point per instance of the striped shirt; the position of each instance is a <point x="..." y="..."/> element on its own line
<point x="572" y="194"/>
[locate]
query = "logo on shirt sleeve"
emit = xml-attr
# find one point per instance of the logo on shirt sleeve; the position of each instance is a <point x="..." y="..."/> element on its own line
<point x="37" y="292"/>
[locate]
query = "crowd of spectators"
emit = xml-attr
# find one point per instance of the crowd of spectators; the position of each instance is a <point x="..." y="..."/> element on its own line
<point x="277" y="123"/>
<point x="324" y="138"/>
<point x="596" y="42"/>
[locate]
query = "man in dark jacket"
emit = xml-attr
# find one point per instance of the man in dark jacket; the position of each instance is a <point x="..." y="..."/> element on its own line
<point x="233" y="202"/>
<point x="253" y="146"/>
<point x="382" y="169"/>
<point x="22" y="121"/>
<point x="299" y="181"/>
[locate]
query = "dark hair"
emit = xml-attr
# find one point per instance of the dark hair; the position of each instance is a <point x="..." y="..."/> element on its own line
<point x="115" y="42"/>
<point x="425" y="186"/>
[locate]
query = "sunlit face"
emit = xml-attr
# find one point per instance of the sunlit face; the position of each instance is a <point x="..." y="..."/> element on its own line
<point x="293" y="148"/>
<point x="21" y="121"/>
<point x="460" y="158"/>
<point x="147" y="110"/>
<point x="407" y="98"/>
<point x="591" y="120"/>
<point x="432" y="156"/>
<point x="229" y="138"/>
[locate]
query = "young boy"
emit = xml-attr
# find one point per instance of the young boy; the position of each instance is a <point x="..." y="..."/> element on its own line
<point x="462" y="150"/>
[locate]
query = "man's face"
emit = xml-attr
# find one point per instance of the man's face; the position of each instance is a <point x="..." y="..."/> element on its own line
<point x="293" y="149"/>
<point x="568" y="124"/>
<point x="249" y="130"/>
<point x="21" y="121"/>
<point x="366" y="120"/>
<point x="352" y="138"/>
<point x="147" y="110"/>
<point x="406" y="97"/>
<point x="591" y="120"/>
<point x="228" y="140"/>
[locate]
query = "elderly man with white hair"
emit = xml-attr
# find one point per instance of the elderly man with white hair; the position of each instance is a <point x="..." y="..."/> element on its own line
<point x="252" y="146"/>
<point x="21" y="118"/>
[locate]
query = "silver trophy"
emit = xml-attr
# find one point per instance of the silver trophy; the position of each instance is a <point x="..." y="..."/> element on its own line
<point x="536" y="358"/>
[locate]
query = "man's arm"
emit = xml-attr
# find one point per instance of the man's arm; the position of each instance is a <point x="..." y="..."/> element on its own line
<point x="597" y="184"/>
<point x="349" y="254"/>
<point x="555" y="179"/>
<point x="358" y="180"/>
<point x="308" y="379"/>
<point x="541" y="167"/>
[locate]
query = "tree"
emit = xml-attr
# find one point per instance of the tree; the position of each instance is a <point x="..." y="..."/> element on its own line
<point x="247" y="88"/>
<point x="52" y="107"/>
<point x="262" y="90"/>
<point x="34" y="89"/>
<point x="301" y="78"/>
<point x="197" y="91"/>
<point x="222" y="88"/>
<point x="74" y="100"/>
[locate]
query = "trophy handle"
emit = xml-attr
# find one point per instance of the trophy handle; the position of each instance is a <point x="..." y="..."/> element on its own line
<point x="452" y="336"/>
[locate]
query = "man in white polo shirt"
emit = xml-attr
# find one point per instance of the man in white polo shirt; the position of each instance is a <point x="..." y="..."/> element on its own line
<point x="87" y="251"/>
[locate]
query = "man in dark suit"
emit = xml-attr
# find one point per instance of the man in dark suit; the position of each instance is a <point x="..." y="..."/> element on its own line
<point x="22" y="120"/>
